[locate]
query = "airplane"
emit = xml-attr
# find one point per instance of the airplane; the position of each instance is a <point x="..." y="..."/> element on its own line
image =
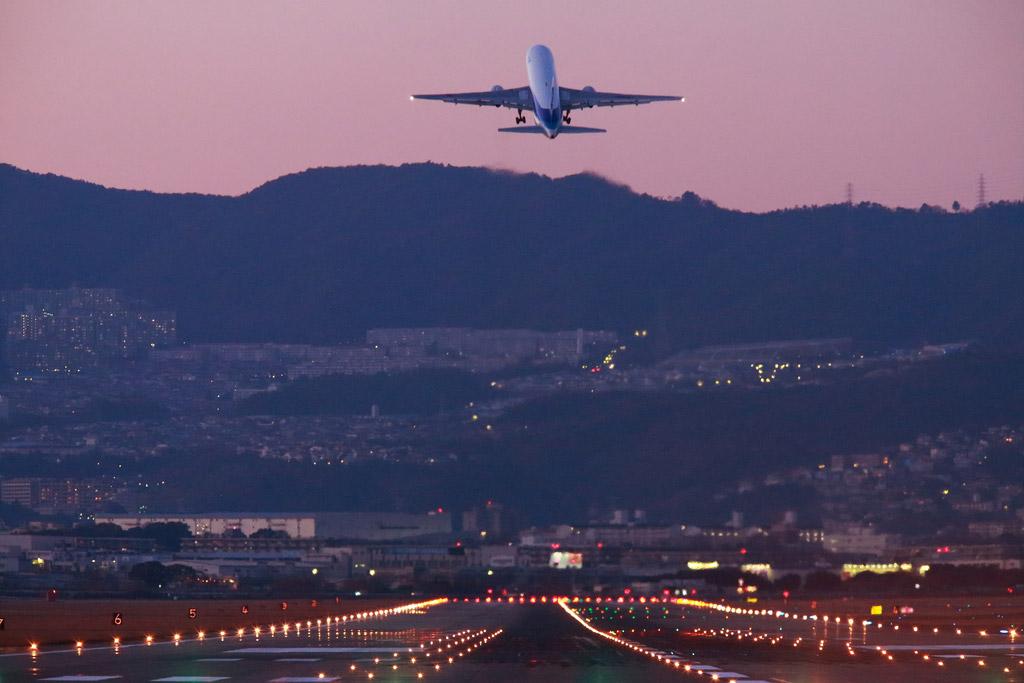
<point x="551" y="104"/>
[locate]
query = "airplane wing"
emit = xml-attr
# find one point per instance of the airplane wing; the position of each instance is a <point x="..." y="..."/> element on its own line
<point x="513" y="98"/>
<point x="588" y="97"/>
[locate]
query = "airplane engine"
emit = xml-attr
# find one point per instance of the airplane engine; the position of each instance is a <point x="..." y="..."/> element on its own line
<point x="588" y="88"/>
<point x="496" y="88"/>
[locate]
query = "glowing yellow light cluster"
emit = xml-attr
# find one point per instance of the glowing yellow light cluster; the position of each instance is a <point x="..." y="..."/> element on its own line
<point x="701" y="566"/>
<point x="767" y="375"/>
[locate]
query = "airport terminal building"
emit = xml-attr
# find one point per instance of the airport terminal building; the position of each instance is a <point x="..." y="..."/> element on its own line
<point x="368" y="526"/>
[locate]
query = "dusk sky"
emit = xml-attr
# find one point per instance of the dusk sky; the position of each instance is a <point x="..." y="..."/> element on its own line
<point x="786" y="101"/>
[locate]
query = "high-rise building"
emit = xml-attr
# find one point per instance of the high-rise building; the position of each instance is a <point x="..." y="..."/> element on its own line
<point x="491" y="521"/>
<point x="21" y="490"/>
<point x="65" y="330"/>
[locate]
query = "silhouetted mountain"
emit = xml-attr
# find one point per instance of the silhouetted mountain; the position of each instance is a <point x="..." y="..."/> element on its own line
<point x="322" y="255"/>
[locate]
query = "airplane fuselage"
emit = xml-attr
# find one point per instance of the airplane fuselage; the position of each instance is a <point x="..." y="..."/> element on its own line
<point x="551" y="103"/>
<point x="547" y="102"/>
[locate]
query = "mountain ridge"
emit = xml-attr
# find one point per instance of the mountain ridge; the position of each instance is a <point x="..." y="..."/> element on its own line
<point x="321" y="255"/>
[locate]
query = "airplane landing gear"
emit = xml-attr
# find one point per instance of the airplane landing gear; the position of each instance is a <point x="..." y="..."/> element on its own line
<point x="520" y="118"/>
<point x="566" y="119"/>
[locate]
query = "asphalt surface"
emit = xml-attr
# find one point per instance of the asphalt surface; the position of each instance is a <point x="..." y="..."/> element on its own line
<point x="528" y="643"/>
<point x="498" y="643"/>
<point x="806" y="651"/>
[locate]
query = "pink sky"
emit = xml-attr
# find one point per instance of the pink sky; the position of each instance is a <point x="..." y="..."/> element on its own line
<point x="786" y="101"/>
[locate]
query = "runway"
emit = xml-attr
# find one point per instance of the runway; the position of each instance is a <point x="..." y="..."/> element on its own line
<point x="550" y="642"/>
<point x="451" y="642"/>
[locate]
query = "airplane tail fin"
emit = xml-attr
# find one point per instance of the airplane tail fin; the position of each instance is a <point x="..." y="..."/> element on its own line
<point x="564" y="130"/>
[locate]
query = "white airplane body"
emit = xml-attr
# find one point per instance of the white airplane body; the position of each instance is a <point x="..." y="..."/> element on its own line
<point x="550" y="103"/>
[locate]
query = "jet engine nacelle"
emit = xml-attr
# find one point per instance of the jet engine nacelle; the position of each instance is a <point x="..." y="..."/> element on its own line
<point x="496" y="88"/>
<point x="588" y="88"/>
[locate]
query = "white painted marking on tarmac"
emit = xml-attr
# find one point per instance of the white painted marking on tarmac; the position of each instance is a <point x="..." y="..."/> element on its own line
<point x="303" y="679"/>
<point x="318" y="650"/>
<point x="298" y="659"/>
<point x="703" y="667"/>
<point x="730" y="674"/>
<point x="190" y="679"/>
<point x="81" y="678"/>
<point x="219" y="659"/>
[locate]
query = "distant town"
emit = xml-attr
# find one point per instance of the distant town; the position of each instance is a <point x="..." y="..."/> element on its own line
<point x="99" y="386"/>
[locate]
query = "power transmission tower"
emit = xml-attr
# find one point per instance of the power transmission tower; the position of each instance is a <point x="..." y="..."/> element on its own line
<point x="981" y="190"/>
<point x="849" y="193"/>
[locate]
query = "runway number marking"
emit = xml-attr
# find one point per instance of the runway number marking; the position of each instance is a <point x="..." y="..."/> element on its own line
<point x="193" y="613"/>
<point x="116" y="619"/>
